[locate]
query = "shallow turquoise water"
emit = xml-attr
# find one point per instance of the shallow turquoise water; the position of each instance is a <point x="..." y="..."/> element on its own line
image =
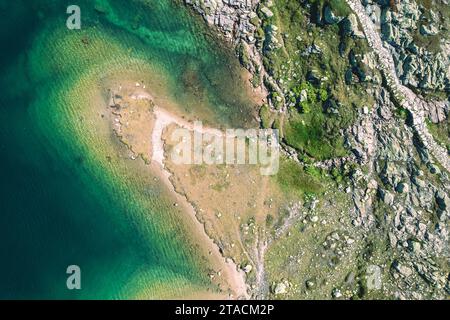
<point x="58" y="206"/>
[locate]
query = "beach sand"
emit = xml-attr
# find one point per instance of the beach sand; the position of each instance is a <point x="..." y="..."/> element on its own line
<point x="227" y="205"/>
<point x="140" y="124"/>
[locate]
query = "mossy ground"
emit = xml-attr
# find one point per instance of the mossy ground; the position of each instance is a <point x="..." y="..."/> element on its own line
<point x="333" y="77"/>
<point x="441" y="132"/>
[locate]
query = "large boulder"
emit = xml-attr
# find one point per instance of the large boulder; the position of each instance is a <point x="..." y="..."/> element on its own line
<point x="329" y="17"/>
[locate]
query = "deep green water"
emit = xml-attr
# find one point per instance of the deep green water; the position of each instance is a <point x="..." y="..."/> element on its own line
<point x="60" y="203"/>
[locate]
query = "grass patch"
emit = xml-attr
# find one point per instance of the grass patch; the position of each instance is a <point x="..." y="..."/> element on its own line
<point x="293" y="178"/>
<point x="317" y="134"/>
<point x="441" y="132"/>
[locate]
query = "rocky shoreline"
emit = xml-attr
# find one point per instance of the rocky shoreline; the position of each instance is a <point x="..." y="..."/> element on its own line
<point x="400" y="189"/>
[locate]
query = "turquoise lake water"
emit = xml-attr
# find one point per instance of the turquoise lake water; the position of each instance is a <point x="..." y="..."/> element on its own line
<point x="59" y="205"/>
